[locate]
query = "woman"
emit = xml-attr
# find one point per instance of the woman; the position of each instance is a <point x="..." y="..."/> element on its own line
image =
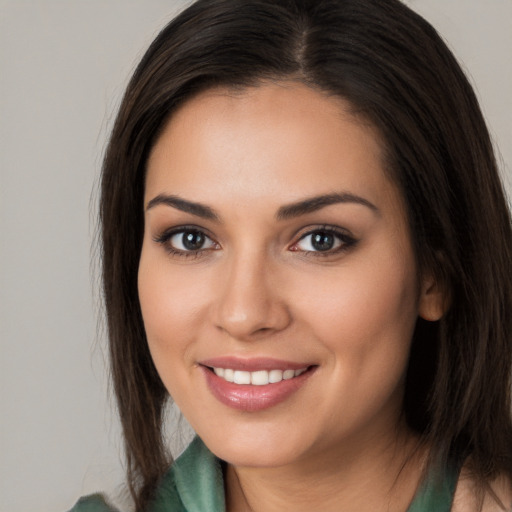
<point x="306" y="244"/>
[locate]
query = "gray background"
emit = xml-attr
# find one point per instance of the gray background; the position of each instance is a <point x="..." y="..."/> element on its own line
<point x="64" y="64"/>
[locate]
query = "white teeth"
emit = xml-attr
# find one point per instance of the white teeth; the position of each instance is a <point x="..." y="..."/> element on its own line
<point x="288" y="374"/>
<point x="241" y="377"/>
<point x="275" y="376"/>
<point x="258" y="378"/>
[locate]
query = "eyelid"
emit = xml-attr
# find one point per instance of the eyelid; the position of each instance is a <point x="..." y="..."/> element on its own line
<point x="168" y="232"/>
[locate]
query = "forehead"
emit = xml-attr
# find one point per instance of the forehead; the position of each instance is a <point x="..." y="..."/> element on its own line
<point x="284" y="140"/>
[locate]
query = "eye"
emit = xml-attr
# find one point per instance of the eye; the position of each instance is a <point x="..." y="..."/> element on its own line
<point x="324" y="240"/>
<point x="319" y="241"/>
<point x="186" y="241"/>
<point x="191" y="240"/>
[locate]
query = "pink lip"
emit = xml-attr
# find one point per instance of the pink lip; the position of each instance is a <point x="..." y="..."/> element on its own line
<point x="247" y="397"/>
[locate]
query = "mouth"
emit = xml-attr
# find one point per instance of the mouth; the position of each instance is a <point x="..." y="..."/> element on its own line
<point x="254" y="385"/>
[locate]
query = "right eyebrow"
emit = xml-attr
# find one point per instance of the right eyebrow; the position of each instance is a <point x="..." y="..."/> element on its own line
<point x="198" y="209"/>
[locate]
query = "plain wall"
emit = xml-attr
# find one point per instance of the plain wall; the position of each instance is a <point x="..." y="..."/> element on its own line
<point x="63" y="65"/>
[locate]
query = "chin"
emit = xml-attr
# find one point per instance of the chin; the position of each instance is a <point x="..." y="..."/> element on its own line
<point x="247" y="448"/>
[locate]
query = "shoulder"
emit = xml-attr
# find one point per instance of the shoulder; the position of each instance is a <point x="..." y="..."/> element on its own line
<point x="468" y="499"/>
<point x="92" y="503"/>
<point x="193" y="482"/>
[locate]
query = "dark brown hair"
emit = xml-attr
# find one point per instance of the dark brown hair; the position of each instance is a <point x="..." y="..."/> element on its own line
<point x="396" y="72"/>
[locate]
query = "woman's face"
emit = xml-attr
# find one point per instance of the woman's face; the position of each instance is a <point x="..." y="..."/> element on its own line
<point x="277" y="281"/>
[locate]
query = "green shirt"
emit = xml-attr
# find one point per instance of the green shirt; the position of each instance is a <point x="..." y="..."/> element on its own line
<point x="195" y="483"/>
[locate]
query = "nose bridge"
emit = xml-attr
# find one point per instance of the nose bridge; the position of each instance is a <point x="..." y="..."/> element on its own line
<point x="249" y="304"/>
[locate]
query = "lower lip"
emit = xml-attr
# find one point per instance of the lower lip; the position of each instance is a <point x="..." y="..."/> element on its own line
<point x="246" y="397"/>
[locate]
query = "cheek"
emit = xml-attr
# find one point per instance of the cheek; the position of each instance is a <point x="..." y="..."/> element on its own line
<point x="366" y="323"/>
<point x="170" y="305"/>
<point x="366" y="315"/>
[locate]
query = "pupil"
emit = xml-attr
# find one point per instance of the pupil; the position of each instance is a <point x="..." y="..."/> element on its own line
<point x="322" y="241"/>
<point x="193" y="240"/>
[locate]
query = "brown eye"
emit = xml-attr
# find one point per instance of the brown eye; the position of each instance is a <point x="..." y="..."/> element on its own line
<point x="190" y="240"/>
<point x="324" y="241"/>
<point x="319" y="241"/>
<point x="193" y="240"/>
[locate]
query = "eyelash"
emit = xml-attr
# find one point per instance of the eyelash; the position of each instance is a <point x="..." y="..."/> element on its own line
<point x="345" y="242"/>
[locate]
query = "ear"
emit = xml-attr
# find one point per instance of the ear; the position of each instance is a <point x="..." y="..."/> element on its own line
<point x="434" y="299"/>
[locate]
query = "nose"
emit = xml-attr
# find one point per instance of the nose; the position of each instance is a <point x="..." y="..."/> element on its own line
<point x="250" y="305"/>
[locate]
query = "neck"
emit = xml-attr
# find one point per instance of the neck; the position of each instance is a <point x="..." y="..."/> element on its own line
<point x="379" y="475"/>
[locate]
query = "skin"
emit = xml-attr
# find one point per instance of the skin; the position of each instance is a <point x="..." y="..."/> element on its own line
<point x="259" y="288"/>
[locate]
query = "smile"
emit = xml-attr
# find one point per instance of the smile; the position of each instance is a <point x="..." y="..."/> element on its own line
<point x="256" y="384"/>
<point x="257" y="378"/>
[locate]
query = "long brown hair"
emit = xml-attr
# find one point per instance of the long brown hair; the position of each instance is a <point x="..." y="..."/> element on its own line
<point x="396" y="72"/>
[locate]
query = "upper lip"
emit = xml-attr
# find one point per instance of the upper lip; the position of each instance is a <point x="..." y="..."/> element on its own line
<point x="253" y="364"/>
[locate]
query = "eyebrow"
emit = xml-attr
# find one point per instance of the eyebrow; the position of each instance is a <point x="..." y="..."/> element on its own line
<point x="289" y="211"/>
<point x="198" y="209"/>
<point x="315" y="203"/>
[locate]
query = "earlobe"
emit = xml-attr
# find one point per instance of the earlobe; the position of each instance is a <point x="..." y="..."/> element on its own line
<point x="434" y="300"/>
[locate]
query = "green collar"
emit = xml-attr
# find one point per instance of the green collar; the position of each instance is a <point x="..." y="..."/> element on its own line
<point x="435" y="493"/>
<point x="194" y="483"/>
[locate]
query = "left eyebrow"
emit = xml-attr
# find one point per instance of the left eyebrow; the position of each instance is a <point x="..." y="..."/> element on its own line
<point x="315" y="203"/>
